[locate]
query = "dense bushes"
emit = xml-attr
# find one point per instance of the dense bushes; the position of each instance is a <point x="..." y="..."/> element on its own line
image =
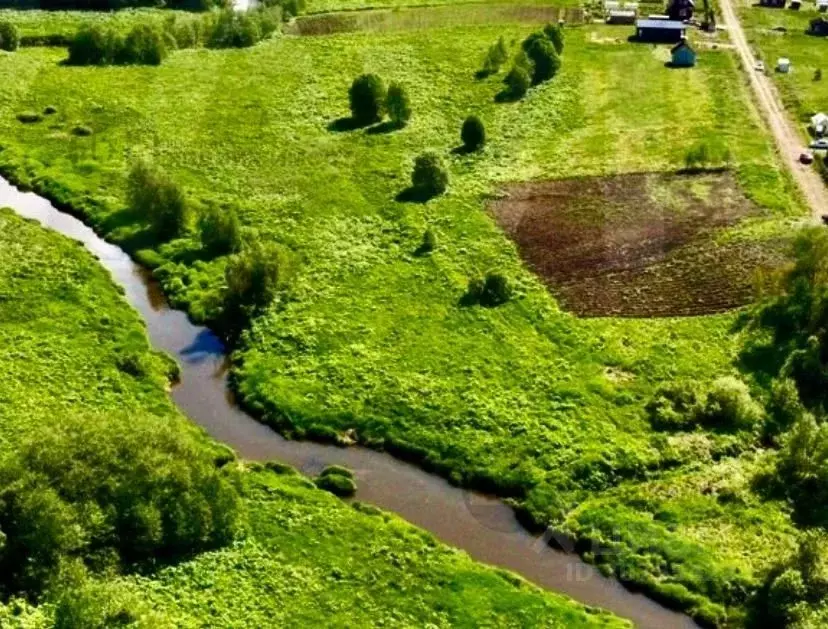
<point x="220" y="229"/>
<point x="496" y="56"/>
<point x="398" y="105"/>
<point x="367" y="99"/>
<point x="158" y="199"/>
<point x="492" y="290"/>
<point x="103" y="45"/>
<point x="727" y="405"/>
<point x="253" y="276"/>
<point x="537" y="61"/>
<point x="517" y="83"/>
<point x="337" y="480"/>
<point x="429" y="177"/>
<point x="473" y="133"/>
<point x="89" y="491"/>
<point x="9" y="37"/>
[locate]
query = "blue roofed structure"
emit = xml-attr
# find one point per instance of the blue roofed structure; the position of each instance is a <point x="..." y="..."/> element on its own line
<point x="664" y="31"/>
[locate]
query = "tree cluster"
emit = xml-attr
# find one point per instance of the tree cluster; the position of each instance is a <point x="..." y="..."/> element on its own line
<point x="99" y="44"/>
<point x="370" y="101"/>
<point x="90" y="493"/>
<point x="9" y="36"/>
<point x="538" y="60"/>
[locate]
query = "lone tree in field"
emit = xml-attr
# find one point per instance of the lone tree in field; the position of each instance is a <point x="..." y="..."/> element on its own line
<point x="367" y="98"/>
<point x="429" y="177"/>
<point x="473" y="133"/>
<point x="153" y="194"/>
<point x="555" y="34"/>
<point x="398" y="105"/>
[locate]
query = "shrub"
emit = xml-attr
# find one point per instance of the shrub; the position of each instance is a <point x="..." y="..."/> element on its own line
<point x="517" y="82"/>
<point x="88" y="488"/>
<point x="473" y="133"/>
<point x="674" y="406"/>
<point x="337" y="484"/>
<point x="730" y="406"/>
<point x="398" y="105"/>
<point x="219" y="229"/>
<point x="9" y="36"/>
<point x="496" y="56"/>
<point x="253" y="276"/>
<point x="49" y="110"/>
<point x="82" y="130"/>
<point x="144" y="45"/>
<point x="235" y="30"/>
<point x="818" y="74"/>
<point x="154" y="195"/>
<point x="554" y="33"/>
<point x="496" y="290"/>
<point x="429" y="242"/>
<point x="474" y="290"/>
<point x="784" y="407"/>
<point x="94" y="45"/>
<point x="29" y="117"/>
<point x="367" y="99"/>
<point x="785" y="592"/>
<point x="545" y="60"/>
<point x="429" y="176"/>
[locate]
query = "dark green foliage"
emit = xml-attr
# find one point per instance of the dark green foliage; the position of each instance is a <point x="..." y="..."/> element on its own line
<point x="496" y="290"/>
<point x="429" y="242"/>
<point x="144" y="45"/>
<point x="49" y="110"/>
<point x="555" y="34"/>
<point x="220" y="229"/>
<point x="337" y="484"/>
<point x="473" y="133"/>
<point x="674" y="406"/>
<point x="88" y="489"/>
<point x="784" y="408"/>
<point x="496" y="56"/>
<point x="429" y="176"/>
<point x="398" y="105"/>
<point x="29" y="117"/>
<point x="818" y="74"/>
<point x="82" y="130"/>
<point x="545" y="59"/>
<point x="253" y="276"/>
<point x="235" y="30"/>
<point x="797" y="317"/>
<point x="786" y="591"/>
<point x="157" y="199"/>
<point x="94" y="45"/>
<point x="517" y="82"/>
<point x="9" y="36"/>
<point x="802" y="469"/>
<point x="367" y="99"/>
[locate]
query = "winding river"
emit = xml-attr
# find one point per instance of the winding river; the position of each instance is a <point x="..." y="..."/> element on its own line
<point x="483" y="526"/>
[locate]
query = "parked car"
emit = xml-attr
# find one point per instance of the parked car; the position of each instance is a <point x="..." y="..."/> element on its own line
<point x="759" y="66"/>
<point x="806" y="158"/>
<point x="820" y="144"/>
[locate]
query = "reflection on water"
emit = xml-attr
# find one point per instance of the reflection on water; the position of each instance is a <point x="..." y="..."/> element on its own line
<point x="481" y="525"/>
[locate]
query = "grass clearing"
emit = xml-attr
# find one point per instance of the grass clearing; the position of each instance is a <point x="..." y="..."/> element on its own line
<point x="524" y="399"/>
<point x="307" y="557"/>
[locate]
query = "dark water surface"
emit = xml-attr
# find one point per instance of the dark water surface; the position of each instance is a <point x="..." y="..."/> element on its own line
<point x="481" y="525"/>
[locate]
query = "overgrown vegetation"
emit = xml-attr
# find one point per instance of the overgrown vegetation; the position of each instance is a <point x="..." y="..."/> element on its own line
<point x="9" y="36"/>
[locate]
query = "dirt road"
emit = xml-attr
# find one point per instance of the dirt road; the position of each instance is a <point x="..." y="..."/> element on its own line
<point x="785" y="133"/>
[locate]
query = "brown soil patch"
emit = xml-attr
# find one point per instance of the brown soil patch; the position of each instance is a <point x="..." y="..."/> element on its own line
<point x="637" y="245"/>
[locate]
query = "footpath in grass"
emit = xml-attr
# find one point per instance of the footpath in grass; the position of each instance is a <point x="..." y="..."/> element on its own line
<point x="373" y="340"/>
<point x="305" y="556"/>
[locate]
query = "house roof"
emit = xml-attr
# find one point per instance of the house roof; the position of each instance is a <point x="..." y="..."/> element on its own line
<point x="667" y="25"/>
<point x="682" y="44"/>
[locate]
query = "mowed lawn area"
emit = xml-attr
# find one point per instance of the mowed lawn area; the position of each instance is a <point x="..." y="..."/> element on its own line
<point x="524" y="399"/>
<point x="304" y="557"/>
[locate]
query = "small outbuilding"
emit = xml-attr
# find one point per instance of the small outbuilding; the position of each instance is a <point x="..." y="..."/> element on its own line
<point x="783" y="65"/>
<point x="681" y="10"/>
<point x="819" y="124"/>
<point x="660" y="31"/>
<point x="795" y="5"/>
<point x="621" y="16"/>
<point x="683" y="55"/>
<point x="778" y="4"/>
<point x="818" y="26"/>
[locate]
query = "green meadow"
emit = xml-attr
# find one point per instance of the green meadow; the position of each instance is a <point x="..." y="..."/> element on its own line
<point x="371" y="339"/>
<point x="302" y="557"/>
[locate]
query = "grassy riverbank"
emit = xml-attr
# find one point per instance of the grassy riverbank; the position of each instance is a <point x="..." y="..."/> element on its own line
<point x="305" y="556"/>
<point x="373" y="342"/>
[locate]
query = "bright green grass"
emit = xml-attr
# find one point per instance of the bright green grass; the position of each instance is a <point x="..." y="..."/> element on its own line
<point x="523" y="399"/>
<point x="39" y="24"/>
<point x="308" y="558"/>
<point x="324" y="6"/>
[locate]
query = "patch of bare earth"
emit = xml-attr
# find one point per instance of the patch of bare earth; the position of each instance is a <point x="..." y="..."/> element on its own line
<point x="642" y="245"/>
